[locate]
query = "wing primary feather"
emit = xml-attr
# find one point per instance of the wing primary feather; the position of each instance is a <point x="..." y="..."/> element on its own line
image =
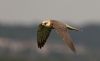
<point x="42" y="35"/>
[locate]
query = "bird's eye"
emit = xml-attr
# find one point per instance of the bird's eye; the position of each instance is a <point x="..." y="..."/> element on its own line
<point x="45" y="23"/>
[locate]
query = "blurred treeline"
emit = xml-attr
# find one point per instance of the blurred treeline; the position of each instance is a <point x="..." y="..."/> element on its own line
<point x="17" y="44"/>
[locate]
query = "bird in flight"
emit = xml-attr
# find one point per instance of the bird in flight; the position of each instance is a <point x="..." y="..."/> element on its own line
<point x="46" y="27"/>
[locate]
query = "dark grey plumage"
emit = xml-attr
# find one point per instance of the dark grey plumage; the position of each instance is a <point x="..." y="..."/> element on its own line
<point x="42" y="35"/>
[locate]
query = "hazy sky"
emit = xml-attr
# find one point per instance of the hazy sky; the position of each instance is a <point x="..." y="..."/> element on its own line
<point x="25" y="11"/>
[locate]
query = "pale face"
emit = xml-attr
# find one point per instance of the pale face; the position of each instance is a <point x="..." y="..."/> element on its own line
<point x="46" y="23"/>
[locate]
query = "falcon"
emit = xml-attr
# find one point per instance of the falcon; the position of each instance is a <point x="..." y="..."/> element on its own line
<point x="47" y="26"/>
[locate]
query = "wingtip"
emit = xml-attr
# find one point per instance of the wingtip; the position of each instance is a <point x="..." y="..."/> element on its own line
<point x="73" y="48"/>
<point x="40" y="45"/>
<point x="74" y="51"/>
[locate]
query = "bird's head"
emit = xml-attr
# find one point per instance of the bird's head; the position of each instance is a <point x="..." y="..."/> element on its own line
<point x="46" y="23"/>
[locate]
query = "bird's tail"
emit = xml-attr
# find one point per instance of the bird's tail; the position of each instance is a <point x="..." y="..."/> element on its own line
<point x="71" y="28"/>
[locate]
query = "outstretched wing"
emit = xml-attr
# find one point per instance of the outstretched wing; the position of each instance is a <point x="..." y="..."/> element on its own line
<point x="42" y="35"/>
<point x="63" y="32"/>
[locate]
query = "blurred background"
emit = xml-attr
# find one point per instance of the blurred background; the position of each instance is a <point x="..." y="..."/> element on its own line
<point x="19" y="21"/>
